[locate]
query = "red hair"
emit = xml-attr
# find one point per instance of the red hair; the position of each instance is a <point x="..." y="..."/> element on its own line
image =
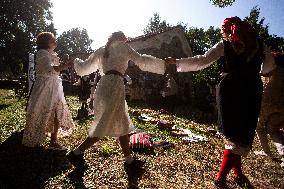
<point x="242" y="34"/>
<point x="279" y="58"/>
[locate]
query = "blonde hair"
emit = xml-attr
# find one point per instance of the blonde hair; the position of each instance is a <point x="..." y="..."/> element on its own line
<point x="114" y="37"/>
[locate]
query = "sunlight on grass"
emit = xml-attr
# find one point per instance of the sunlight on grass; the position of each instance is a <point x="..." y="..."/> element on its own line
<point x="185" y="165"/>
<point x="12" y="114"/>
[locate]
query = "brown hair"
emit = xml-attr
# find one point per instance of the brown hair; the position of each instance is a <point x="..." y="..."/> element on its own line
<point x="42" y="40"/>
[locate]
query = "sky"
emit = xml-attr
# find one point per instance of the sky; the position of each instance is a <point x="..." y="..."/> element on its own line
<point x="102" y="17"/>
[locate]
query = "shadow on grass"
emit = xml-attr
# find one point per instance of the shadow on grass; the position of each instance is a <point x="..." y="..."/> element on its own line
<point x="23" y="167"/>
<point x="76" y="176"/>
<point x="133" y="177"/>
<point x="3" y="106"/>
<point x="186" y="111"/>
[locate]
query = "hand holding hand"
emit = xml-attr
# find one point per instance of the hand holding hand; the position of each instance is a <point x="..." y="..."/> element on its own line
<point x="65" y="58"/>
<point x="170" y="60"/>
<point x="70" y="62"/>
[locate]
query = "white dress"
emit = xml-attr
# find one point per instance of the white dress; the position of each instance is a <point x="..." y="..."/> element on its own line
<point x="47" y="103"/>
<point x="110" y="107"/>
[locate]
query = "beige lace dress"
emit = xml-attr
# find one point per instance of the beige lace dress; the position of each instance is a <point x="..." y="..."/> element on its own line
<point x="47" y="104"/>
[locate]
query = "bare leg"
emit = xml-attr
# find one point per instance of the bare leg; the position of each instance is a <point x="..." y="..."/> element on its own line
<point x="124" y="143"/>
<point x="262" y="136"/>
<point x="53" y="138"/>
<point x="76" y="157"/>
<point x="88" y="142"/>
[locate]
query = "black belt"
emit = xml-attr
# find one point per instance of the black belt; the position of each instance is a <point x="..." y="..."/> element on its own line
<point x="114" y="72"/>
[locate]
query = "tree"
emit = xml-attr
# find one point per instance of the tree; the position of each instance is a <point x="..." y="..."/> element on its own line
<point x="200" y="41"/>
<point x="155" y="24"/>
<point x="256" y="23"/>
<point x="222" y="3"/>
<point x="274" y="42"/>
<point x="74" y="41"/>
<point x="20" y="22"/>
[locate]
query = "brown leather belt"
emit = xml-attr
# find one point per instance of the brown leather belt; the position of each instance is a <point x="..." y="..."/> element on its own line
<point x="114" y="72"/>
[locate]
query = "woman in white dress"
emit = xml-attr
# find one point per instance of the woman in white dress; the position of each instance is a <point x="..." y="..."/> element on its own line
<point x="239" y="91"/>
<point x="110" y="108"/>
<point x="47" y="110"/>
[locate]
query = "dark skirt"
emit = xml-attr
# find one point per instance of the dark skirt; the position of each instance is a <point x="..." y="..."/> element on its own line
<point x="238" y="102"/>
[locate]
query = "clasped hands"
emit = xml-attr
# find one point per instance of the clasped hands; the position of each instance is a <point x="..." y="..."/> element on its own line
<point x="68" y="61"/>
<point x="170" y="60"/>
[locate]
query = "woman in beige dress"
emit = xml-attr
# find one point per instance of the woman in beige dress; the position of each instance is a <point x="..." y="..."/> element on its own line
<point x="47" y="110"/>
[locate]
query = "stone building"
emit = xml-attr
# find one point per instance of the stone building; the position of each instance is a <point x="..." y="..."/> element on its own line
<point x="171" y="42"/>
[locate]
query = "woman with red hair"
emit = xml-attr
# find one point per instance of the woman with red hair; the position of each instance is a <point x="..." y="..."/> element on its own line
<point x="239" y="92"/>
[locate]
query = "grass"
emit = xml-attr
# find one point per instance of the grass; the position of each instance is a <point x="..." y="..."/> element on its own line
<point x="185" y="165"/>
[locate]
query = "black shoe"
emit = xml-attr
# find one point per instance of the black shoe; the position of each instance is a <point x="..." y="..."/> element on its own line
<point x="243" y="182"/>
<point x="135" y="165"/>
<point x="77" y="160"/>
<point x="221" y="183"/>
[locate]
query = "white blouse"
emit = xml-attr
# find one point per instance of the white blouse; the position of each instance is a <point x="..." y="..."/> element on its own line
<point x="119" y="55"/>
<point x="200" y="62"/>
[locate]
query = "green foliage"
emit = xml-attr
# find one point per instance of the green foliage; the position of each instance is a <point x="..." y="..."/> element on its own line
<point x="20" y="22"/>
<point x="222" y="3"/>
<point x="274" y="42"/>
<point x="258" y="23"/>
<point x="74" y="41"/>
<point x="200" y="41"/>
<point x="106" y="150"/>
<point x="155" y="24"/>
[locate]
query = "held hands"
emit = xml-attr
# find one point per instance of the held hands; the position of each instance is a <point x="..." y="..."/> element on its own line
<point x="170" y="60"/>
<point x="70" y="62"/>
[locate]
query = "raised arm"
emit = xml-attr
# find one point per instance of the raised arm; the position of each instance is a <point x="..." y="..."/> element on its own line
<point x="146" y="62"/>
<point x="268" y="62"/>
<point x="90" y="65"/>
<point x="200" y="62"/>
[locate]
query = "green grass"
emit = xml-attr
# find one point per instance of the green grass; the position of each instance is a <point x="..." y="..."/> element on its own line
<point x="185" y="165"/>
<point x="12" y="114"/>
